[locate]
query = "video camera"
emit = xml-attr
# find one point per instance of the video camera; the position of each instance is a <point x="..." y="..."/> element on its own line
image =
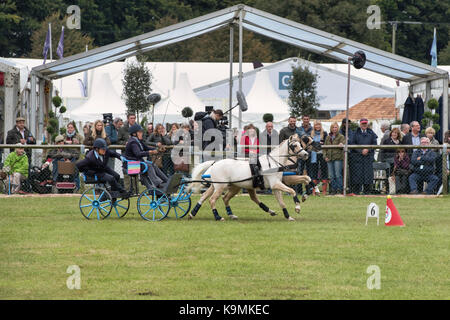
<point x="107" y="118"/>
<point x="223" y="123"/>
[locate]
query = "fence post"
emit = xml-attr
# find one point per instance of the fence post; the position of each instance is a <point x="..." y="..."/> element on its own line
<point x="444" y="169"/>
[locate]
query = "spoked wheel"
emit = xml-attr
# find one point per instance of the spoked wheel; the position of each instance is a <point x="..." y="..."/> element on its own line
<point x="153" y="205"/>
<point x="181" y="204"/>
<point x="97" y="201"/>
<point x="120" y="207"/>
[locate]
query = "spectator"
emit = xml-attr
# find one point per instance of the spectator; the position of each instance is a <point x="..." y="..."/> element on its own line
<point x="269" y="137"/>
<point x="317" y="165"/>
<point x="172" y="135"/>
<point x="384" y="127"/>
<point x="404" y="129"/>
<point x="423" y="166"/>
<point x="193" y="130"/>
<point x="72" y="136"/>
<point x="184" y="136"/>
<point x="362" y="177"/>
<point x="149" y="131"/>
<point x="123" y="135"/>
<point x="161" y="159"/>
<point x="288" y="131"/>
<point x="413" y="137"/>
<point x="112" y="131"/>
<point x="393" y="139"/>
<point x="60" y="154"/>
<point x="334" y="158"/>
<point x="251" y="143"/>
<point x="430" y="133"/>
<point x="16" y="166"/>
<point x="20" y="134"/>
<point x="86" y="130"/>
<point x="342" y="129"/>
<point x="97" y="131"/>
<point x="401" y="171"/>
<point x="447" y="141"/>
<point x="305" y="128"/>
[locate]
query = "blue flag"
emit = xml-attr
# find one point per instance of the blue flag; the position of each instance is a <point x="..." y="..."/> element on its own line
<point x="60" y="49"/>
<point x="433" y="51"/>
<point x="46" y="44"/>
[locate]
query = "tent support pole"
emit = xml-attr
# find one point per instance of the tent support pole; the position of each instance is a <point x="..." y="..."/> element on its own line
<point x="230" y="103"/>
<point x="346" y="131"/>
<point x="240" y="62"/>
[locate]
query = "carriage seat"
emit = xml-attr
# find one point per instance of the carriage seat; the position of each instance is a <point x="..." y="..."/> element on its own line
<point x="91" y="179"/>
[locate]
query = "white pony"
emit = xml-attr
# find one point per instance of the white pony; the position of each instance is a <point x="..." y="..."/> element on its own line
<point x="234" y="174"/>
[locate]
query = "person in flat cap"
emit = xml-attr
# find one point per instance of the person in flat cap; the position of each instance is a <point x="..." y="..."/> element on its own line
<point x="21" y="134"/>
<point x="361" y="178"/>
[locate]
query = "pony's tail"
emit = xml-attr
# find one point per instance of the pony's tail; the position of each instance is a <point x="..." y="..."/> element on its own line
<point x="197" y="175"/>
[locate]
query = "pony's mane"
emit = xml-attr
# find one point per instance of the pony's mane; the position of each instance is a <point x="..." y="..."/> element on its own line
<point x="276" y="150"/>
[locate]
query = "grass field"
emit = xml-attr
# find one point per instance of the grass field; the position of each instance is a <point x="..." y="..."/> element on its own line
<point x="323" y="255"/>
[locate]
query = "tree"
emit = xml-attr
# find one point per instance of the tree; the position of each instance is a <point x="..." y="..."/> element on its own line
<point x="303" y="98"/>
<point x="9" y="20"/>
<point x="444" y="55"/>
<point x="74" y="41"/>
<point x="136" y="83"/>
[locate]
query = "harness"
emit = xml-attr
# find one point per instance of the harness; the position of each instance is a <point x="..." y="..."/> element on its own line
<point x="256" y="169"/>
<point x="257" y="177"/>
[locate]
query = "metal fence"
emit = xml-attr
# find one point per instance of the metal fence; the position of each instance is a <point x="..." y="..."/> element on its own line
<point x="384" y="170"/>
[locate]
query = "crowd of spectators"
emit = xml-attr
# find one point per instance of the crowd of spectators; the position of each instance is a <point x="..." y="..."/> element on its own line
<point x="413" y="170"/>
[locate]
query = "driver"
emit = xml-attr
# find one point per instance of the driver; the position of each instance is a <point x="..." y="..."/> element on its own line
<point x="137" y="150"/>
<point x="96" y="163"/>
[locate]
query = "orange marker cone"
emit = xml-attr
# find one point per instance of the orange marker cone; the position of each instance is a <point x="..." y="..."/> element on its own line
<point x="392" y="216"/>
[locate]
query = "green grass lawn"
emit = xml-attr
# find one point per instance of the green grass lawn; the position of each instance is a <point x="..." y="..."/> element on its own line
<point x="323" y="255"/>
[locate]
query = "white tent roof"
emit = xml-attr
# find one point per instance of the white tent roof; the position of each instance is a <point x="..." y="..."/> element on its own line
<point x="262" y="98"/>
<point x="169" y="109"/>
<point x="103" y="100"/>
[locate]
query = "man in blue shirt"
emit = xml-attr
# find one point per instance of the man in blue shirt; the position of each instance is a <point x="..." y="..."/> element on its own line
<point x="423" y="161"/>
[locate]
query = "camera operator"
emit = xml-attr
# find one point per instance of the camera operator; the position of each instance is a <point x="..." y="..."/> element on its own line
<point x="223" y="127"/>
<point x="208" y="121"/>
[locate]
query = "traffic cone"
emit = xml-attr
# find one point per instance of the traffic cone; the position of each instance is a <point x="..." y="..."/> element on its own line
<point x="392" y="216"/>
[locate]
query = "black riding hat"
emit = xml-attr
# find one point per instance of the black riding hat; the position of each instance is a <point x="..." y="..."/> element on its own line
<point x="100" y="143"/>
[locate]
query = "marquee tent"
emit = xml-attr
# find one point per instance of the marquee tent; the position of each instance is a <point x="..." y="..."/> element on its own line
<point x="168" y="110"/>
<point x="104" y="99"/>
<point x="262" y="99"/>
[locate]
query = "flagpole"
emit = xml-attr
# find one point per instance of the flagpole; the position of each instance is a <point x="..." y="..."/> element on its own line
<point x="50" y="33"/>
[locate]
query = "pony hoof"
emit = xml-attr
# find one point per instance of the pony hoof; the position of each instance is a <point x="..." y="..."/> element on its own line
<point x="221" y="219"/>
<point x="190" y="217"/>
<point x="233" y="217"/>
<point x="272" y="213"/>
<point x="297" y="209"/>
<point x="304" y="197"/>
<point x="291" y="219"/>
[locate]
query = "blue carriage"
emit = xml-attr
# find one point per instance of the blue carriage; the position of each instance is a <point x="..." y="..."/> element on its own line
<point x="153" y="204"/>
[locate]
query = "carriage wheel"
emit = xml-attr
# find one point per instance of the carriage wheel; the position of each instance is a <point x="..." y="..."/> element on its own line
<point x="120" y="207"/>
<point x="181" y="204"/>
<point x="97" y="201"/>
<point x="153" y="205"/>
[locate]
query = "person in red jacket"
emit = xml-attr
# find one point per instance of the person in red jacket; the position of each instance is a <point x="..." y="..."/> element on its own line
<point x="251" y="142"/>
